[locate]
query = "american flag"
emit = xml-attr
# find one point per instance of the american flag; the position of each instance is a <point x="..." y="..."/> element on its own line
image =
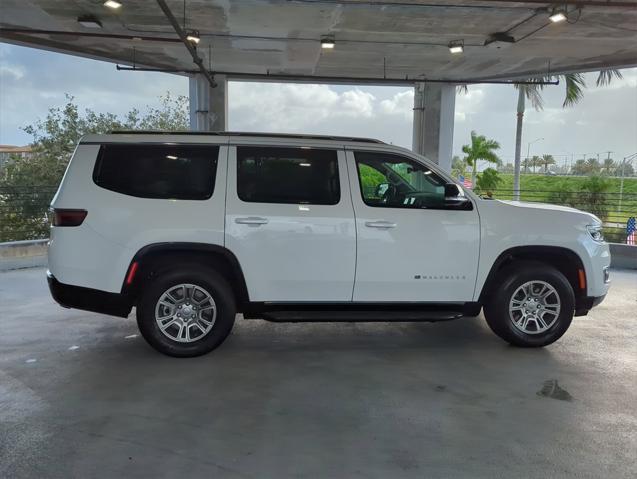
<point x="466" y="182"/>
<point x="630" y="231"/>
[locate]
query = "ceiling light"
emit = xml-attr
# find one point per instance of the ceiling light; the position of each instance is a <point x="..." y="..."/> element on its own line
<point x="305" y="164"/>
<point x="171" y="157"/>
<point x="557" y="16"/>
<point x="89" y="21"/>
<point x="112" y="4"/>
<point x="327" y="43"/>
<point x="457" y="46"/>
<point x="193" y="37"/>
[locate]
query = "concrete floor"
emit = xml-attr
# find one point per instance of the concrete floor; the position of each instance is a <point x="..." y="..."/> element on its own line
<point x="80" y="397"/>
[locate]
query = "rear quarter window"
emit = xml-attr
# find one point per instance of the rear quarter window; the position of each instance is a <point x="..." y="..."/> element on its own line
<point x="181" y="172"/>
<point x="287" y="175"/>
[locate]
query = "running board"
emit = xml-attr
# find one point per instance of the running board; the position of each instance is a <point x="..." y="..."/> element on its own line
<point x="301" y="316"/>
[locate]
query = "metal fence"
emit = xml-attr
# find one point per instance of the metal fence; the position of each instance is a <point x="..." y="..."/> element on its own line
<point x="23" y="210"/>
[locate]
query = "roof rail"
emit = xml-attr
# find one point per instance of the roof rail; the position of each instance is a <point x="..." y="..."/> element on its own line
<point x="240" y="133"/>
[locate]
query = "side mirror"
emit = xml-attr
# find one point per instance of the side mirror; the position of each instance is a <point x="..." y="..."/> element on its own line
<point x="455" y="199"/>
<point x="451" y="190"/>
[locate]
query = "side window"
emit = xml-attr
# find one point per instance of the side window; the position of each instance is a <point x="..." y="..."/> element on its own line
<point x="393" y="181"/>
<point x="287" y="175"/>
<point x="181" y="172"/>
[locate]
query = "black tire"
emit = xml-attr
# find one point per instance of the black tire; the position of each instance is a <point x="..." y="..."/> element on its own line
<point x="496" y="310"/>
<point x="207" y="279"/>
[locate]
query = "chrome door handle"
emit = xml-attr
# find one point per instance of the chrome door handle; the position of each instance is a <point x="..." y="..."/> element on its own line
<point x="251" y="220"/>
<point x="380" y="224"/>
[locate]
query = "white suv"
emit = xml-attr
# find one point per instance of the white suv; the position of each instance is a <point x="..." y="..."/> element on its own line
<point x="193" y="228"/>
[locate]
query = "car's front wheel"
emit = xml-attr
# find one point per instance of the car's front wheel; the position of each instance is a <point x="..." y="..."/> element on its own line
<point x="186" y="312"/>
<point x="532" y="306"/>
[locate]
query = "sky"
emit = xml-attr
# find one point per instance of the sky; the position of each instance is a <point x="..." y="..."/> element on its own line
<point x="32" y="81"/>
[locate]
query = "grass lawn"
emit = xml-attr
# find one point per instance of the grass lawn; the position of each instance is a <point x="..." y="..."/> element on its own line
<point x="563" y="190"/>
<point x="540" y="185"/>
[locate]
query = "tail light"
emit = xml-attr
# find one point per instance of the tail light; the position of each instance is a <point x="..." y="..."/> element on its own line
<point x="63" y="217"/>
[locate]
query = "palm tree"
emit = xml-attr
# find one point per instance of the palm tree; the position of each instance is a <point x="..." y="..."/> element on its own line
<point x="546" y="161"/>
<point x="593" y="166"/>
<point x="526" y="162"/>
<point x="535" y="162"/>
<point x="574" y="91"/>
<point x="488" y="181"/>
<point x="480" y="149"/>
<point x="609" y="166"/>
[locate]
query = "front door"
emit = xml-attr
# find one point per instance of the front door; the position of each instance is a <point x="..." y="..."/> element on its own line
<point x="412" y="244"/>
<point x="290" y="222"/>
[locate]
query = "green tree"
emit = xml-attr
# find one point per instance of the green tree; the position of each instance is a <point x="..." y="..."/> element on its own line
<point x="627" y="169"/>
<point x="547" y="160"/>
<point x="562" y="195"/>
<point x="28" y="184"/>
<point x="526" y="163"/>
<point x="592" y="196"/>
<point x="574" y="85"/>
<point x="535" y="162"/>
<point x="488" y="181"/>
<point x="580" y="168"/>
<point x="480" y="149"/>
<point x="458" y="167"/>
<point x="609" y="167"/>
<point x="593" y="166"/>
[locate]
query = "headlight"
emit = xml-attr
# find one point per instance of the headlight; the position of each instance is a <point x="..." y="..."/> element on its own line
<point x="596" y="232"/>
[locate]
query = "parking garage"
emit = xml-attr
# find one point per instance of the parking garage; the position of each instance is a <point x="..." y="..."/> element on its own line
<point x="82" y="395"/>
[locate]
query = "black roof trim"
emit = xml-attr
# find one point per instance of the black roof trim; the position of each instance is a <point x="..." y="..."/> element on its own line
<point x="240" y="133"/>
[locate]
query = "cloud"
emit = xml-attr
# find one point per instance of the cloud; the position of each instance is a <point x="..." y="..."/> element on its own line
<point x="32" y="81"/>
<point x="15" y="72"/>
<point x="294" y="107"/>
<point x="321" y="109"/>
<point x="401" y="103"/>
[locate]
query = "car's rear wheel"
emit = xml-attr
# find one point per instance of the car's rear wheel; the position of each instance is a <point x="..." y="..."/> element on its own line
<point x="186" y="312"/>
<point x="532" y="305"/>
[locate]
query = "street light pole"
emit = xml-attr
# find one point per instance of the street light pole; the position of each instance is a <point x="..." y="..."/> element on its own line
<point x="628" y="158"/>
<point x="528" y="152"/>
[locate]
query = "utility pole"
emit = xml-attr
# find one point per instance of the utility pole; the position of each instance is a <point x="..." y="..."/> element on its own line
<point x="626" y="159"/>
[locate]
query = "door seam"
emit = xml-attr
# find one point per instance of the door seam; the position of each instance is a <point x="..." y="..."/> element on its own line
<point x="349" y="184"/>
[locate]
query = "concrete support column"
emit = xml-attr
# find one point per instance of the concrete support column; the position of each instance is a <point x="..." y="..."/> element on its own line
<point x="434" y="109"/>
<point x="208" y="106"/>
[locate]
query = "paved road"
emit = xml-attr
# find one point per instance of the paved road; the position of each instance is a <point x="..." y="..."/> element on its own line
<point x="80" y="396"/>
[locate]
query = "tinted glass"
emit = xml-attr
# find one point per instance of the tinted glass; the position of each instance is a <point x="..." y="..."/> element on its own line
<point x="287" y="175"/>
<point x="183" y="172"/>
<point x="393" y="181"/>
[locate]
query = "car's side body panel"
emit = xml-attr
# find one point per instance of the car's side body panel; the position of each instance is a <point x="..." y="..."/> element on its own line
<point x="508" y="225"/>
<point x="425" y="255"/>
<point x="98" y="253"/>
<point x="300" y="252"/>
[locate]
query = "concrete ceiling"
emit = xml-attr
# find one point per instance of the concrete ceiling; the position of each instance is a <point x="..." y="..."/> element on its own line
<point x="374" y="39"/>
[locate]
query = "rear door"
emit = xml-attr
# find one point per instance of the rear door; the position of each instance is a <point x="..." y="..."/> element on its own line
<point x="412" y="246"/>
<point x="290" y="222"/>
